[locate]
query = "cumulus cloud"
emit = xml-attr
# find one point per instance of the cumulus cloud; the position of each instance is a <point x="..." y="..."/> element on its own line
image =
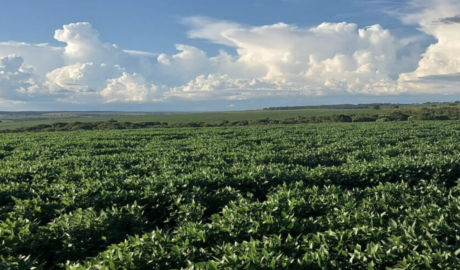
<point x="262" y="62"/>
<point x="223" y="87"/>
<point x="332" y="55"/>
<point x="15" y="78"/>
<point x="82" y="77"/>
<point x="130" y="88"/>
<point x="215" y="82"/>
<point x="440" y="64"/>
<point x="84" y="45"/>
<point x="41" y="57"/>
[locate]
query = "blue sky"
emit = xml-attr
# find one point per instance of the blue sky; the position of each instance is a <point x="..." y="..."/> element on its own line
<point x="156" y="25"/>
<point x="225" y="55"/>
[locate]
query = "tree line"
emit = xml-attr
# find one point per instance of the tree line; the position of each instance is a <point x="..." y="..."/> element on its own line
<point x="415" y="114"/>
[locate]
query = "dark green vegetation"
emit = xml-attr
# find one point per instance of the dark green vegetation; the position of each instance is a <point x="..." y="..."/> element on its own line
<point x="28" y="119"/>
<point x="414" y="114"/>
<point x="328" y="196"/>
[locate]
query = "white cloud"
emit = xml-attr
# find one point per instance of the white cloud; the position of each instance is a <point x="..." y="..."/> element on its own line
<point x="439" y="68"/>
<point x="15" y="78"/>
<point x="213" y="30"/>
<point x="292" y="57"/>
<point x="84" y="45"/>
<point x="82" y="77"/>
<point x="215" y="82"/>
<point x="130" y="88"/>
<point x="221" y="87"/>
<point x="42" y="57"/>
<point x="267" y="62"/>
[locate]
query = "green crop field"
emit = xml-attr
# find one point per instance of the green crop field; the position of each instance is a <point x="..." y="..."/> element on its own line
<point x="311" y="196"/>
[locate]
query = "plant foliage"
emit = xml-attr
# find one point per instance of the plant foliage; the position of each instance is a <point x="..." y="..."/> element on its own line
<point x="329" y="196"/>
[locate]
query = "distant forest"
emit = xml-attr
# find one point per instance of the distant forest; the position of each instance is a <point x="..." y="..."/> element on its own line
<point x="412" y="114"/>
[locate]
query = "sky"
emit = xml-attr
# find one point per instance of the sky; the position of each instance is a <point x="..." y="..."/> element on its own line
<point x="203" y="55"/>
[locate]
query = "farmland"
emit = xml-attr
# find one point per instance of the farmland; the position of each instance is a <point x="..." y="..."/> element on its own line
<point x="312" y="196"/>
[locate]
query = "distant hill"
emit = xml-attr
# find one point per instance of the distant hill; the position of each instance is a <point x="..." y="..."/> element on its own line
<point x="363" y="106"/>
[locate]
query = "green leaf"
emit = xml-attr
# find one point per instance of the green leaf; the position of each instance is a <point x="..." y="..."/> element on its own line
<point x="393" y="224"/>
<point x="213" y="265"/>
<point x="176" y="250"/>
